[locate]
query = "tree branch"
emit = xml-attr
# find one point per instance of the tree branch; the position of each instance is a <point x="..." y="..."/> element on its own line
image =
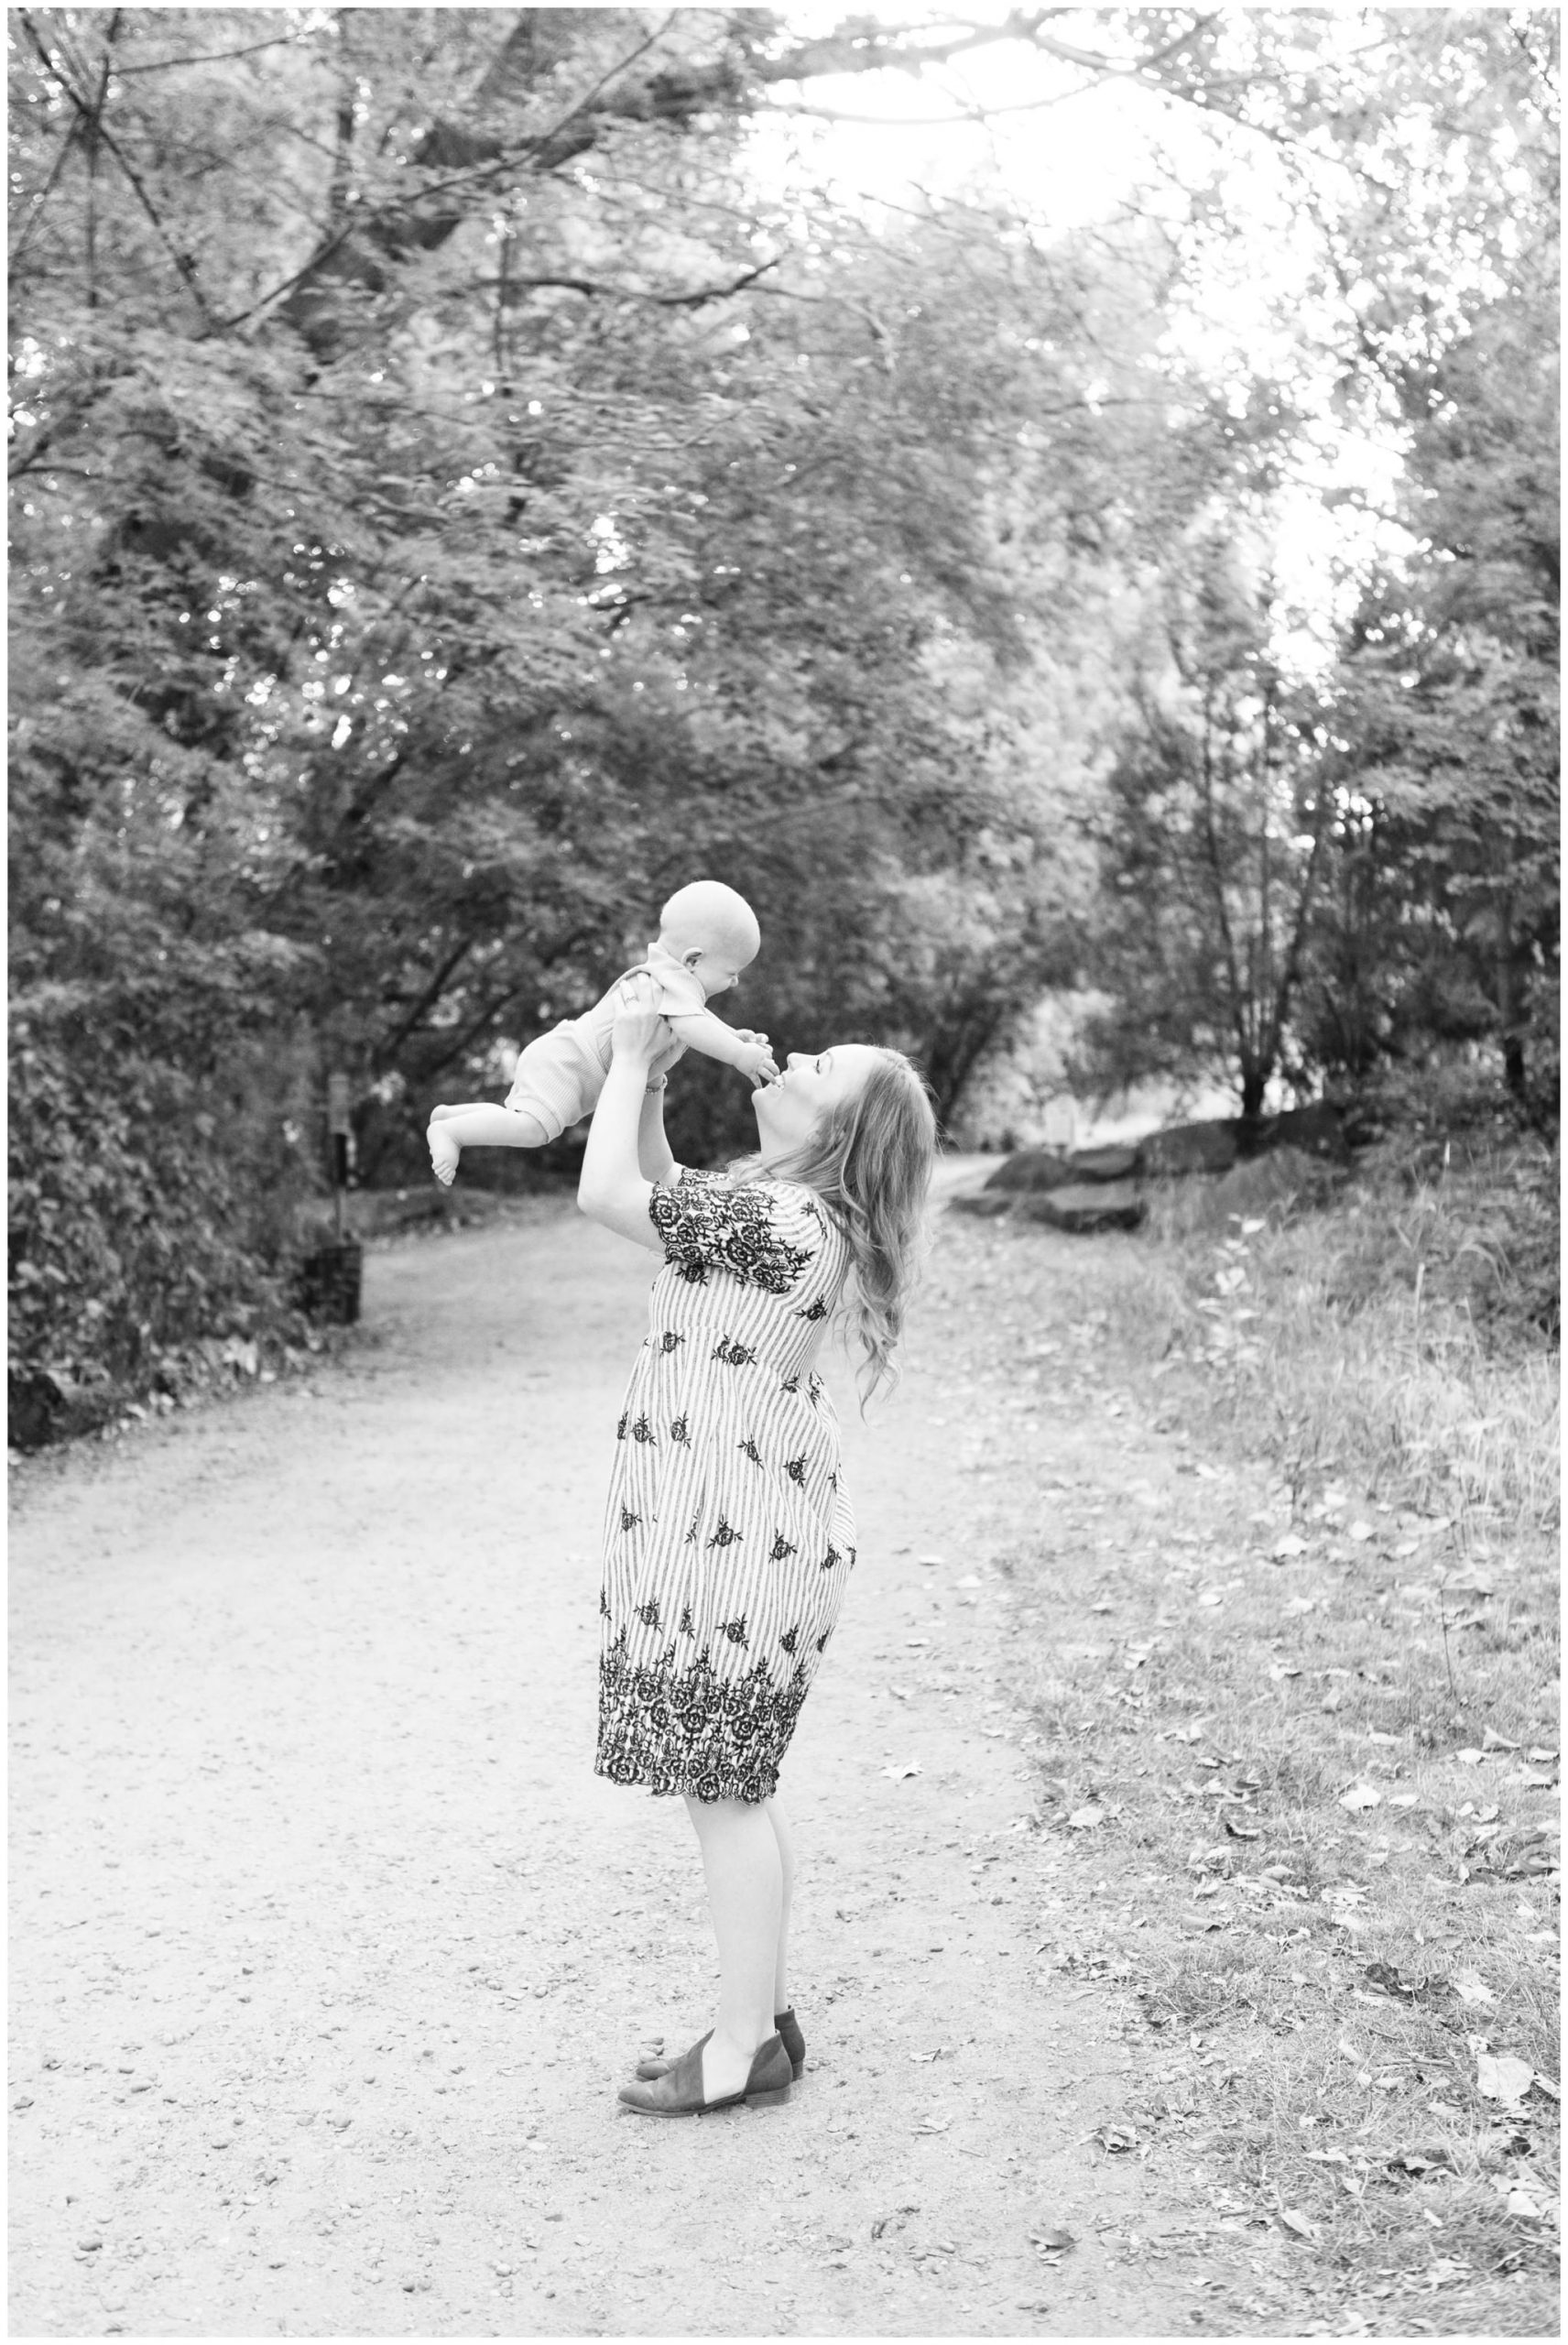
<point x="93" y="125"/>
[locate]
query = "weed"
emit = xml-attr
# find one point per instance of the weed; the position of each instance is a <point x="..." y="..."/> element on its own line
<point x="1287" y="1673"/>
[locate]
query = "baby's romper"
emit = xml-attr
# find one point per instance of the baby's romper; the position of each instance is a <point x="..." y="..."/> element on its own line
<point x="729" y="1535"/>
<point x="559" y="1075"/>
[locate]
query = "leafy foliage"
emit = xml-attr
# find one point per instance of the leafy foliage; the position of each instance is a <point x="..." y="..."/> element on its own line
<point x="451" y="505"/>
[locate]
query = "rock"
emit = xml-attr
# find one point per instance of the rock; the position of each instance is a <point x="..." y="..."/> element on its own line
<point x="1113" y="1163"/>
<point x="985" y="1206"/>
<point x="1088" y="1205"/>
<point x="1033" y="1168"/>
<point x="1208" y="1147"/>
<point x="1266" y="1182"/>
<point x="1316" y="1130"/>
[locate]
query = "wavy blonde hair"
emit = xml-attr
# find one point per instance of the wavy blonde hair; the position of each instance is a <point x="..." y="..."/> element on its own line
<point x="869" y="1160"/>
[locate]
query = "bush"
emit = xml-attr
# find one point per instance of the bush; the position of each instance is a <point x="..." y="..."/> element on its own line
<point x="151" y="1215"/>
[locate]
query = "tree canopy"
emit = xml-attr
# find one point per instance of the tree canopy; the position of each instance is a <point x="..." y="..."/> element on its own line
<point x="455" y="500"/>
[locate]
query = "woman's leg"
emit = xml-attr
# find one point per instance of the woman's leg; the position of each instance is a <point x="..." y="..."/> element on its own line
<point x="785" y="1838"/>
<point x="743" y="1872"/>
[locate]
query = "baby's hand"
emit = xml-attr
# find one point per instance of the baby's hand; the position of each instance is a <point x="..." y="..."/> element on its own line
<point x="756" y="1060"/>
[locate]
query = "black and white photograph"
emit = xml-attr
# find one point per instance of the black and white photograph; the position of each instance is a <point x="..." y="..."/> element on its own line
<point x="783" y="1383"/>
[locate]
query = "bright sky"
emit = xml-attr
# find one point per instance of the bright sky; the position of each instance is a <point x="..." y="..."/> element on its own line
<point x="1068" y="157"/>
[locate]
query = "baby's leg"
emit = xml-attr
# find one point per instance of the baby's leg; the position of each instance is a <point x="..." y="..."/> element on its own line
<point x="480" y="1126"/>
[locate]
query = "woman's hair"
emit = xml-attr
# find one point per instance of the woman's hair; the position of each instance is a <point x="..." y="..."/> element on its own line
<point x="870" y="1159"/>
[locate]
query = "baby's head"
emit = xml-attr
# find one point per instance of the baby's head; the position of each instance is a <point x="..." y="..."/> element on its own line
<point x="712" y="930"/>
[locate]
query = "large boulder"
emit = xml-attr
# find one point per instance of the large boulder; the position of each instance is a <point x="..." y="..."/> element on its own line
<point x="1109" y="1164"/>
<point x="986" y="1204"/>
<point x="1270" y="1183"/>
<point x="1317" y="1130"/>
<point x="1086" y="1205"/>
<point x="1208" y="1147"/>
<point x="1031" y="1170"/>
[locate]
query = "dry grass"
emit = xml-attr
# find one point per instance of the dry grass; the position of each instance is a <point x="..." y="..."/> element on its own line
<point x="1330" y="1973"/>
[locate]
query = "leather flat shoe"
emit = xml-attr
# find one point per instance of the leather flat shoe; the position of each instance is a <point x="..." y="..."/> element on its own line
<point x="788" y="2028"/>
<point x="679" y="2092"/>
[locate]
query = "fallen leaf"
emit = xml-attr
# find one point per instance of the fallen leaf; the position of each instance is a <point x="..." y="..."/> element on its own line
<point x="901" y="1774"/>
<point x="1358" y="1530"/>
<point x="1239" y="1831"/>
<point x="1054" y="2242"/>
<point x="1297" y="2223"/>
<point x="1361" y="1795"/>
<point x="1548" y="2085"/>
<point x="1084" y="1819"/>
<point x="1500" y="2077"/>
<point x="1534" y="1782"/>
<point x="930" y="1560"/>
<point x="1493" y="1740"/>
<point x="1279" y="1669"/>
<point x="1471" y="1988"/>
<point x="1469" y="1757"/>
<point x="1292" y="1544"/>
<point x="1540" y="1756"/>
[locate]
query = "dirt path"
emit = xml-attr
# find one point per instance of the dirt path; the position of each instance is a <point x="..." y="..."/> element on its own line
<point x="330" y="1949"/>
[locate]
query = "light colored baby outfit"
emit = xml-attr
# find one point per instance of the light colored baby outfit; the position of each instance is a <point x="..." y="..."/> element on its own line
<point x="559" y="1076"/>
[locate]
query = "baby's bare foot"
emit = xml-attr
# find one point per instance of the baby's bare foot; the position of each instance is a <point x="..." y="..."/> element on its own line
<point x="444" y="1153"/>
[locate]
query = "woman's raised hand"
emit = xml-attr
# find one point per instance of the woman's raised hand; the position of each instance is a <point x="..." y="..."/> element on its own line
<point x="640" y="1032"/>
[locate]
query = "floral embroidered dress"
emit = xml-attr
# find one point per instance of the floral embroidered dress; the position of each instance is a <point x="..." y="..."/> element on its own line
<point x="729" y="1537"/>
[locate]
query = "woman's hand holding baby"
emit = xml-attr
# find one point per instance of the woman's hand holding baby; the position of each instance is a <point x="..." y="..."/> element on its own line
<point x="640" y="1032"/>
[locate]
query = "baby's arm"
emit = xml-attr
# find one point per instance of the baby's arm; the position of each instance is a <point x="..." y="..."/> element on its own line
<point x="702" y="1031"/>
<point x="481" y="1125"/>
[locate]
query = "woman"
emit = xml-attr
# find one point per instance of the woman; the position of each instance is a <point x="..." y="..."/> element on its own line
<point x="729" y="1537"/>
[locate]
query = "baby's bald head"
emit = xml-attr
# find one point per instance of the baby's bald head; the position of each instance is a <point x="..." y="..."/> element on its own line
<point x="705" y="916"/>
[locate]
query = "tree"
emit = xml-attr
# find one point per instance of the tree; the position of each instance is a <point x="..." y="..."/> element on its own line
<point x="1217" y="821"/>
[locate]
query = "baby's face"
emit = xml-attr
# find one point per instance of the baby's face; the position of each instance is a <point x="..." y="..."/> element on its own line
<point x="715" y="962"/>
<point x="719" y="970"/>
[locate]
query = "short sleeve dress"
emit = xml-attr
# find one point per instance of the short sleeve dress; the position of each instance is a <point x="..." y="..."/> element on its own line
<point x="729" y="1535"/>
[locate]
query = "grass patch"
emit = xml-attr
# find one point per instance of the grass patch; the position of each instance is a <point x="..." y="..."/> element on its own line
<point x="1293" y="1674"/>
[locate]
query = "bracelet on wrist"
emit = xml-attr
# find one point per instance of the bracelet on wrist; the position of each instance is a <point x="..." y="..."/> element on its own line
<point x="656" y="1085"/>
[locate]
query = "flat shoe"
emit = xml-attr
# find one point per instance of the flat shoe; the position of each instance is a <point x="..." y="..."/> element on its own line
<point x="788" y="2028"/>
<point x="679" y="2092"/>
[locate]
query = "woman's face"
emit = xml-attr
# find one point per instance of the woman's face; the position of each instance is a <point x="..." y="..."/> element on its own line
<point x="788" y="1109"/>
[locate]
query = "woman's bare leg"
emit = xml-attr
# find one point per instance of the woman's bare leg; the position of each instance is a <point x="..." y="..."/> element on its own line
<point x="783" y="1834"/>
<point x="742" y="1867"/>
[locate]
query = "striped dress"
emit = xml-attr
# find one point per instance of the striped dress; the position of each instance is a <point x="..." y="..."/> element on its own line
<point x="728" y="1537"/>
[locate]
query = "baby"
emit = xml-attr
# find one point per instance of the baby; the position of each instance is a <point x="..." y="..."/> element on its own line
<point x="707" y="935"/>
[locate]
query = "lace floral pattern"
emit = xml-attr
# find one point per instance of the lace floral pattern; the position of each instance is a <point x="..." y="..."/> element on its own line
<point x="679" y="1727"/>
<point x="704" y="1221"/>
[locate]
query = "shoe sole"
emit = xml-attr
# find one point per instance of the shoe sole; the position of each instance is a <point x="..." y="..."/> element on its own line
<point x="712" y="2108"/>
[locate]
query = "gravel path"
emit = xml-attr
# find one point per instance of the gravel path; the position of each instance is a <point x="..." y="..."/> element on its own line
<point x="329" y="1949"/>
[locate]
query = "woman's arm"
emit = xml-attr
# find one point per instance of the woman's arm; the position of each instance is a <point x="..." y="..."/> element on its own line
<point x="654" y="1160"/>
<point x="615" y="1188"/>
